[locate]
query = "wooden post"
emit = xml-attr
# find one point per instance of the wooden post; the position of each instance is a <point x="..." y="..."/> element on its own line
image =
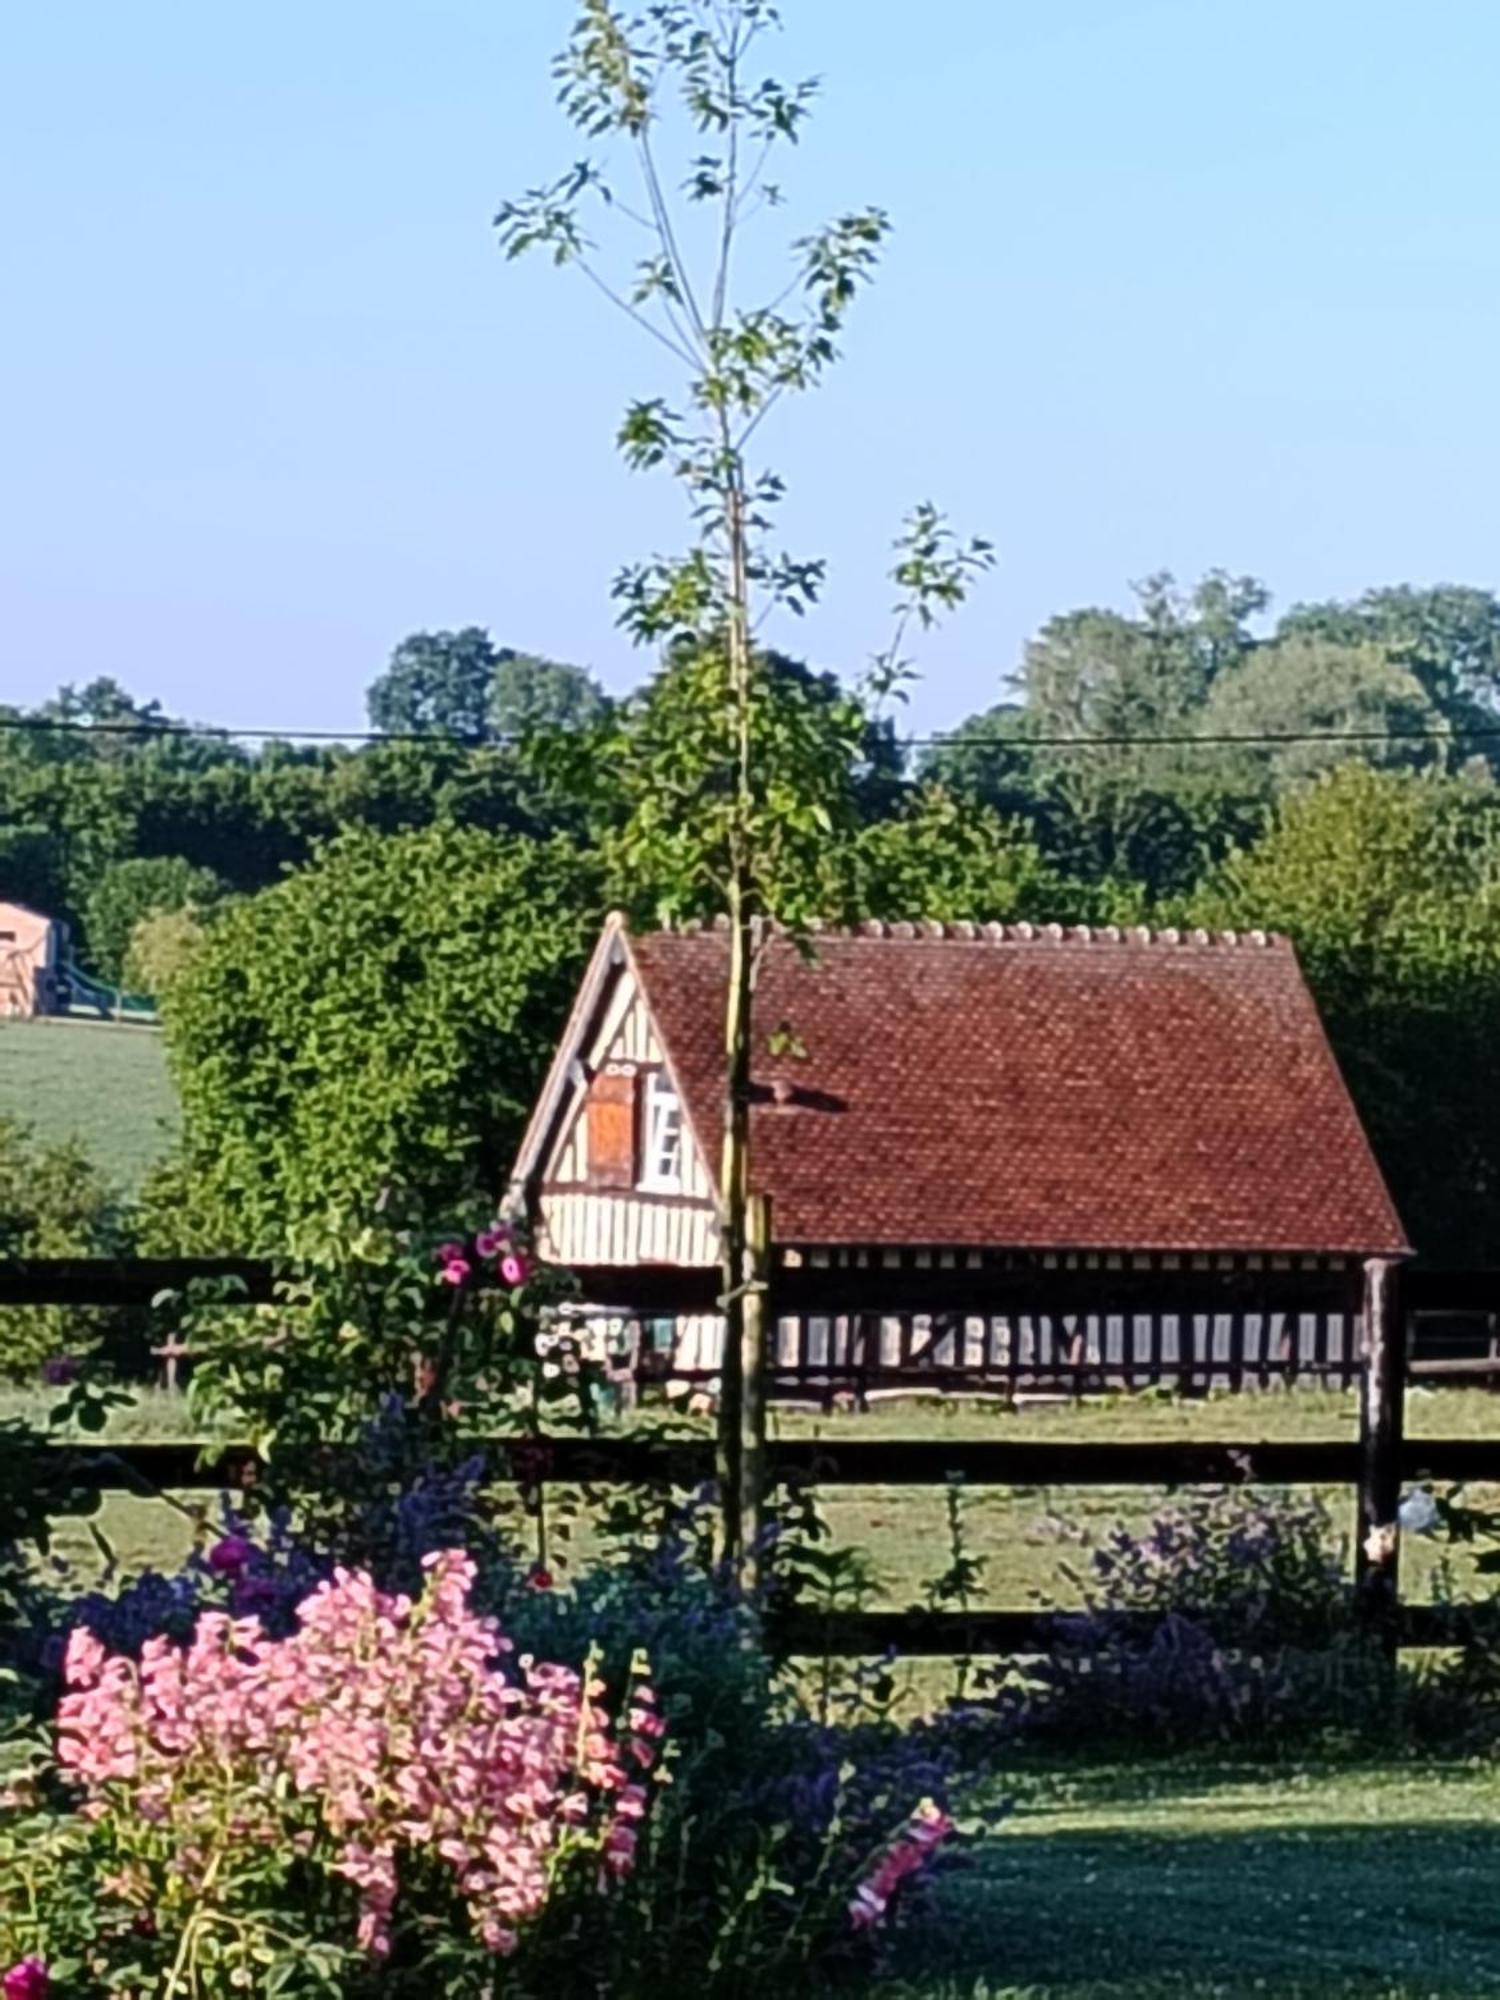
<point x="1381" y="1411"/>
<point x="754" y="1364"/>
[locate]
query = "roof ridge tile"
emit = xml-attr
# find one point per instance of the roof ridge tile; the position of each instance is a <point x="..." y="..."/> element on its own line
<point x="967" y="931"/>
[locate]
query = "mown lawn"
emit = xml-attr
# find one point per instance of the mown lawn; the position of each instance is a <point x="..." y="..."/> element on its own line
<point x="104" y="1085"/>
<point x="1209" y="1879"/>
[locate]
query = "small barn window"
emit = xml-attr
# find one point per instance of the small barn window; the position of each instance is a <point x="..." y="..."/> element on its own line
<point x="661" y="1162"/>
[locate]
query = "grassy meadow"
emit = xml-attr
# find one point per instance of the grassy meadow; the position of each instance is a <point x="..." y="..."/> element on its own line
<point x="99" y="1083"/>
<point x="1034" y="1541"/>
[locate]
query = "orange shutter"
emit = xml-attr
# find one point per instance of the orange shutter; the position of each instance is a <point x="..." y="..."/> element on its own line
<point x="612" y="1131"/>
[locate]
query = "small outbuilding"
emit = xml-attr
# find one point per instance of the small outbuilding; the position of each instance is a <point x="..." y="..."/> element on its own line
<point x="32" y="950"/>
<point x="1136" y="1146"/>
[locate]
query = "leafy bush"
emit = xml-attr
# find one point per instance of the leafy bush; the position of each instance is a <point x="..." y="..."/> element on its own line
<point x="778" y="1842"/>
<point x="126" y="893"/>
<point x="389" y="1008"/>
<point x="356" y="1322"/>
<point x="53" y="1203"/>
<point x="774" y="1845"/>
<point x="1389" y="886"/>
<point x="1229" y="1619"/>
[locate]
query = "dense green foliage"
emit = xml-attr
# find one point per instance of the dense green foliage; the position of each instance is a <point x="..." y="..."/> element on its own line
<point x="128" y="893"/>
<point x="53" y="1203"/>
<point x="1391" y="887"/>
<point x="310" y="1034"/>
<point x="388" y="1008"/>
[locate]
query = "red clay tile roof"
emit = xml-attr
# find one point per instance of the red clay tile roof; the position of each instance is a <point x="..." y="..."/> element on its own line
<point x="1033" y="1090"/>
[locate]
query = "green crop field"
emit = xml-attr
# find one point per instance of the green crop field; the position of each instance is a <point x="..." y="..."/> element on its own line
<point x="104" y="1085"/>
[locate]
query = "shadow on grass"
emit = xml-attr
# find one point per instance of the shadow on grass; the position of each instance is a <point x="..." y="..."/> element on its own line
<point x="1389" y="1908"/>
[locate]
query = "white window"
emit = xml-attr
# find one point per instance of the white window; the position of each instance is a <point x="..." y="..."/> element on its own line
<point x="661" y="1155"/>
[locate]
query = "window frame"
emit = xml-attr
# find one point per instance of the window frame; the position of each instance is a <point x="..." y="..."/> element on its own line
<point x="659" y="1102"/>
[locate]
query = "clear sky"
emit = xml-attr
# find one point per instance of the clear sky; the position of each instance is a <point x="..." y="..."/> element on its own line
<point x="1175" y="283"/>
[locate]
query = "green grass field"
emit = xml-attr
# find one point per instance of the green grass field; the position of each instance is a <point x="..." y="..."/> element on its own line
<point x="103" y="1085"/>
<point x="1207" y="1879"/>
<point x="1033" y="1541"/>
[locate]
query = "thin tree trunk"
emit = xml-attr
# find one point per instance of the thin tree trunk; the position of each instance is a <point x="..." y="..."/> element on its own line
<point x="755" y="1360"/>
<point x="735" y="1170"/>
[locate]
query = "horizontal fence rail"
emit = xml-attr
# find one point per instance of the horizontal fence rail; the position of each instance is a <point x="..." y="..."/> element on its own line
<point x="667" y="1288"/>
<point x="1205" y="1325"/>
<point x="852" y="1634"/>
<point x="689" y="1463"/>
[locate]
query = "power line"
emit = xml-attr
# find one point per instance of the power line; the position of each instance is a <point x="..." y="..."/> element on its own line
<point x="149" y="731"/>
<point x="960" y="740"/>
<point x="198" y="732"/>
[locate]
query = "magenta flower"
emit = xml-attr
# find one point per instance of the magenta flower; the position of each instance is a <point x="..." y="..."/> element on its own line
<point x="491" y="1242"/>
<point x="29" y="1980"/>
<point x="229" y="1556"/>
<point x="514" y="1268"/>
<point x="448" y="1253"/>
<point x="456" y="1271"/>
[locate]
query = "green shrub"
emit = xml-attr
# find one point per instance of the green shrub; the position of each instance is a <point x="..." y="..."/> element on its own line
<point x="126" y="893"/>
<point x="54" y="1203"/>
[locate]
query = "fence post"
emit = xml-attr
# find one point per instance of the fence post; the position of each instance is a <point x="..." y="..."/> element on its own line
<point x="1382" y="1395"/>
<point x="754" y="1364"/>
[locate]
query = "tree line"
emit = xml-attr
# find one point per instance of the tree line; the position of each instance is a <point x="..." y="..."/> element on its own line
<point x="364" y="954"/>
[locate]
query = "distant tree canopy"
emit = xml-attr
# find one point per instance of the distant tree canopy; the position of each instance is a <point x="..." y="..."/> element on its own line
<point x="461" y="684"/>
<point x="436" y="682"/>
<point x="384" y="1013"/>
<point x="1158" y="797"/>
<point x="1390" y="886"/>
<point x="278" y="897"/>
<point x="528" y="694"/>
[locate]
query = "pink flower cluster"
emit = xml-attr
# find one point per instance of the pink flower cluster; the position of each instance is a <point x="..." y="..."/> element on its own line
<point x="498" y="1244"/>
<point x="380" y="1727"/>
<point x="29" y="1980"/>
<point x="911" y="1850"/>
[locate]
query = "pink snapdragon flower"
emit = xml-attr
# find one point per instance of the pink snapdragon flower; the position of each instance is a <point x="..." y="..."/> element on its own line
<point x="381" y="1728"/>
<point x="457" y="1271"/>
<point x="515" y="1268"/>
<point x="911" y="1850"/>
<point x="493" y="1241"/>
<point x="30" y="1980"/>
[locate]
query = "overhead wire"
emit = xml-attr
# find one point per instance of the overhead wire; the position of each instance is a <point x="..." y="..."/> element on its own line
<point x="145" y="731"/>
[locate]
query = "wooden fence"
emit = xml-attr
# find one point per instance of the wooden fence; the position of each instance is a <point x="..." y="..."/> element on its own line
<point x="1388" y="1305"/>
<point x="606" y="1461"/>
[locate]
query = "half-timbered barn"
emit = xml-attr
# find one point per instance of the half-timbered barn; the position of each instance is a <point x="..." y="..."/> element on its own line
<point x="993" y="1155"/>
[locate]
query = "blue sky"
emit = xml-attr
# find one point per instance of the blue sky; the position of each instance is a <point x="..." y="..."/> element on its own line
<point x="1173" y="284"/>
